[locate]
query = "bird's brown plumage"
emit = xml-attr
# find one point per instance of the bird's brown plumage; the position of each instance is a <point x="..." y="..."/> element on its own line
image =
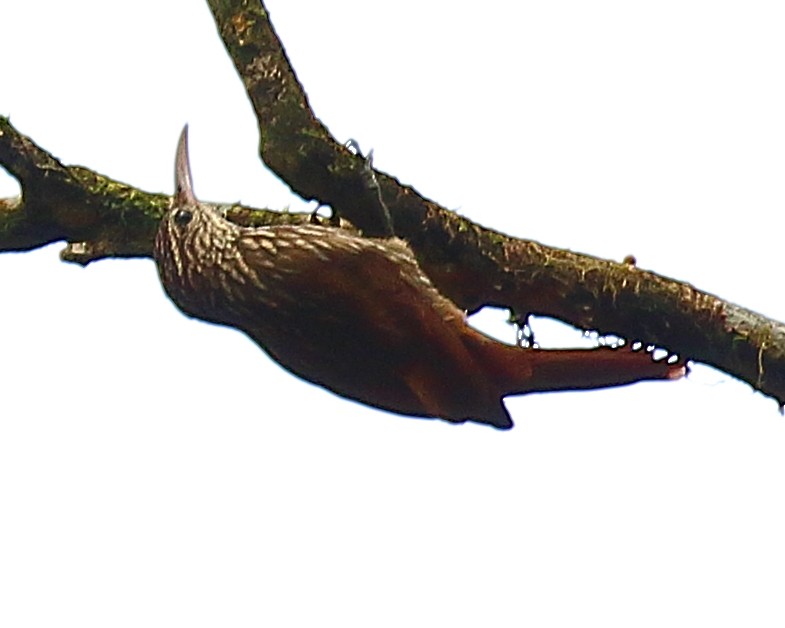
<point x="359" y="317"/>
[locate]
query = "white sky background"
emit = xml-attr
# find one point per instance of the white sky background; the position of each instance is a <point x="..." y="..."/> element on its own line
<point x="158" y="471"/>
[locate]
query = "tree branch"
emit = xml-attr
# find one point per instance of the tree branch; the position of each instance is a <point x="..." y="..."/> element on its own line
<point x="474" y="266"/>
<point x="97" y="216"/>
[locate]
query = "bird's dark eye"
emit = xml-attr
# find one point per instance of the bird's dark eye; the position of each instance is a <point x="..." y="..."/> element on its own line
<point x="183" y="216"/>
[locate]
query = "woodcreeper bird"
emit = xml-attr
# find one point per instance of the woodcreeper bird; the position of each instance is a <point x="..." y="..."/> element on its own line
<point x="359" y="317"/>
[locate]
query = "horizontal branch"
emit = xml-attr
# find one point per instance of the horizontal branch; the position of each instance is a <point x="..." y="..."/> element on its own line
<point x="98" y="217"/>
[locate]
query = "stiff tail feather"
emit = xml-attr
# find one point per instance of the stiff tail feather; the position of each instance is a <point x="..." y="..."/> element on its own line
<point x="540" y="370"/>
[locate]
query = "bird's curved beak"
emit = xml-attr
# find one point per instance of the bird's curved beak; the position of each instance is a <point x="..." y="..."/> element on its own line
<point x="183" y="184"/>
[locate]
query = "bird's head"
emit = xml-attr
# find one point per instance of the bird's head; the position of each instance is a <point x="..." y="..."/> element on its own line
<point x="190" y="228"/>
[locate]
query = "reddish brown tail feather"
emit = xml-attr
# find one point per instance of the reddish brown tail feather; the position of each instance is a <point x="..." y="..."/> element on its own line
<point x="507" y="370"/>
<point x="517" y="371"/>
<point x="536" y="370"/>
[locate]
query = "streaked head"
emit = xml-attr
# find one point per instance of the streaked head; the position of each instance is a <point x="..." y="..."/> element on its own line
<point x="190" y="228"/>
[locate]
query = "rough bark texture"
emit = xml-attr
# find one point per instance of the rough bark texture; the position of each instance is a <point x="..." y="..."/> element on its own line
<point x="474" y="266"/>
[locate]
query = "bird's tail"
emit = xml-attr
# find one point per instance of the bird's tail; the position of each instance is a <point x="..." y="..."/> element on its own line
<point x="538" y="370"/>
